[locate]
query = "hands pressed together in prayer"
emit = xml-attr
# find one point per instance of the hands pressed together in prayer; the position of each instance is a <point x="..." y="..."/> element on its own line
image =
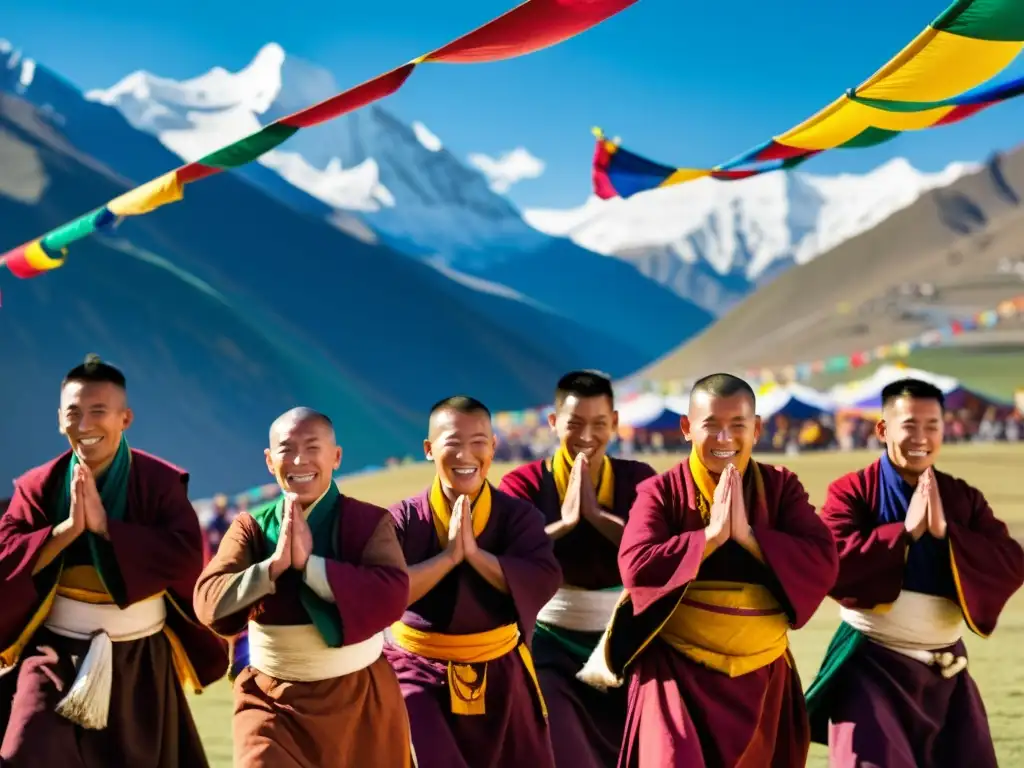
<point x="925" y="513"/>
<point x="728" y="519"/>
<point x="295" y="542"/>
<point x="462" y="544"/>
<point x="580" y="498"/>
<point x="87" y="512"/>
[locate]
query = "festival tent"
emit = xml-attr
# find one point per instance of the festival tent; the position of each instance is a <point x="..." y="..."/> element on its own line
<point x="866" y="394"/>
<point x="649" y="411"/>
<point x="795" y="401"/>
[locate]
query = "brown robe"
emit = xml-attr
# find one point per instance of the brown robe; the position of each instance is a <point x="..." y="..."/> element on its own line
<point x="355" y="720"/>
<point x="157" y="548"/>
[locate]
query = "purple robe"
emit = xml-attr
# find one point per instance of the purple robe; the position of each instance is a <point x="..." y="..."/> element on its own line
<point x="158" y="547"/>
<point x="681" y="713"/>
<point x="586" y="724"/>
<point x="513" y="733"/>
<point x="885" y="708"/>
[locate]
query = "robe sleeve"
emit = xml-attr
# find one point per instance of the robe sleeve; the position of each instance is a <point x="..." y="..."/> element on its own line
<point x="872" y="557"/>
<point x="654" y="562"/>
<point x="232" y="581"/>
<point x="164" y="554"/>
<point x="528" y="563"/>
<point x="24" y="529"/>
<point x="799" y="550"/>
<point x="515" y="484"/>
<point x="371" y="595"/>
<point x="988" y="564"/>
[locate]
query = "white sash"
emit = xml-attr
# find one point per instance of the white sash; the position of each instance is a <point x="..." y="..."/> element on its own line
<point x="915" y="626"/>
<point x="581" y="610"/>
<point x="298" y="653"/>
<point x="87" y="702"/>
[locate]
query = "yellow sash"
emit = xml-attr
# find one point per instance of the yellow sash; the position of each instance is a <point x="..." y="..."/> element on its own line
<point x="731" y="627"/>
<point x="467" y="688"/>
<point x="481" y="510"/>
<point x="561" y="467"/>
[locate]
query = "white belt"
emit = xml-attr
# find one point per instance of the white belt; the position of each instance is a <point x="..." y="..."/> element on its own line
<point x="298" y="653"/>
<point x="580" y="610"/>
<point x="87" y="702"/>
<point x="915" y="626"/>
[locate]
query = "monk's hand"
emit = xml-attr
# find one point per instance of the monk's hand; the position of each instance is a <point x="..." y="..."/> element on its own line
<point x="719" y="524"/>
<point x="739" y="529"/>
<point x="95" y="514"/>
<point x="456" y="549"/>
<point x="589" y="508"/>
<point x="936" y="512"/>
<point x="302" y="536"/>
<point x="917" y="511"/>
<point x="281" y="560"/>
<point x="469" y="545"/>
<point x="573" y="497"/>
<point x="76" y="519"/>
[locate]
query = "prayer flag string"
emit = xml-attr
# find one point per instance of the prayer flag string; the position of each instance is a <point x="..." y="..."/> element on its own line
<point x="927" y="84"/>
<point x="529" y="27"/>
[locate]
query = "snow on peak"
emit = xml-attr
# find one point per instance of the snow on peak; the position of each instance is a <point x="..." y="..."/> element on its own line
<point x="508" y="169"/>
<point x="746" y="226"/>
<point x="14" y="60"/>
<point x="196" y="116"/>
<point x="425" y="137"/>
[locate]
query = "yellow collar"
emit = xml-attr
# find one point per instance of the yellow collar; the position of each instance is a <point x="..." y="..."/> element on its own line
<point x="561" y="467"/>
<point x="442" y="511"/>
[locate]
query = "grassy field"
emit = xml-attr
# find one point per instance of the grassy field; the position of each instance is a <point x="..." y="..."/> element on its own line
<point x="992" y="469"/>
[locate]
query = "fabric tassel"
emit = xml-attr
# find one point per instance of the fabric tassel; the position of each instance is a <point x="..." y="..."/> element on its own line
<point x="88" y="701"/>
<point x="596" y="672"/>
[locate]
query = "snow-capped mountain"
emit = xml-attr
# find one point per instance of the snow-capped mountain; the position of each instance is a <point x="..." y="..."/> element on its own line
<point x="714" y="241"/>
<point x="402" y="182"/>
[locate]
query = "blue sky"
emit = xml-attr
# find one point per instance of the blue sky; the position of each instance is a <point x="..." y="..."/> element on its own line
<point x="681" y="82"/>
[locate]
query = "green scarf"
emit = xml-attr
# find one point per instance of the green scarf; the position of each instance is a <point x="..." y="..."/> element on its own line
<point x="323" y="522"/>
<point x="845" y="643"/>
<point x="113" y="489"/>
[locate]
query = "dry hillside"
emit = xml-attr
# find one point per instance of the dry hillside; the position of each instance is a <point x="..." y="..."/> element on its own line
<point x="944" y="257"/>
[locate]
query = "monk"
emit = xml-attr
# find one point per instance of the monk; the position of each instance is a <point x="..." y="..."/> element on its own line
<point x="585" y="496"/>
<point x="920" y="555"/>
<point x="481" y="567"/>
<point x="720" y="558"/>
<point x="99" y="552"/>
<point x="316" y="577"/>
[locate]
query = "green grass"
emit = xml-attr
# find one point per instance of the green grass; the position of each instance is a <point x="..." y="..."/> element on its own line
<point x="994" y="371"/>
<point x="993" y="469"/>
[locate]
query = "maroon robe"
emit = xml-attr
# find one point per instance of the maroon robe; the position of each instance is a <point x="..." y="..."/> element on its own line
<point x="681" y="713"/>
<point x="888" y="709"/>
<point x="586" y="724"/>
<point x="157" y="547"/>
<point x="354" y="720"/>
<point x="513" y="733"/>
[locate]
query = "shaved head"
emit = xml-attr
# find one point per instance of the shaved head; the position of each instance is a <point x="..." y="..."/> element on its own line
<point x="723" y="385"/>
<point x="288" y="420"/>
<point x="461" y="404"/>
<point x="303" y="453"/>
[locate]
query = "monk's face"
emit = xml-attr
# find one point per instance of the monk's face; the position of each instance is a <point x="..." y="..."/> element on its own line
<point x="585" y="425"/>
<point x="912" y="430"/>
<point x="723" y="430"/>
<point x="303" y="457"/>
<point x="92" y="415"/>
<point x="461" y="445"/>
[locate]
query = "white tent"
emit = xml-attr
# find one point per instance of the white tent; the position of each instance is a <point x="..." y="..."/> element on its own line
<point x="867" y="391"/>
<point x="796" y="399"/>
<point x="648" y="411"/>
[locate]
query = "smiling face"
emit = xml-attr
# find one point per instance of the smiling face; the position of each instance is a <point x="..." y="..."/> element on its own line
<point x="303" y="457"/>
<point x="461" y="445"/>
<point x="585" y="425"/>
<point x="912" y="430"/>
<point x="92" y="415"/>
<point x="723" y="430"/>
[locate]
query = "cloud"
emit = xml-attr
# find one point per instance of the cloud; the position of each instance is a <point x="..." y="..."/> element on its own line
<point x="511" y="168"/>
<point x="426" y="137"/>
